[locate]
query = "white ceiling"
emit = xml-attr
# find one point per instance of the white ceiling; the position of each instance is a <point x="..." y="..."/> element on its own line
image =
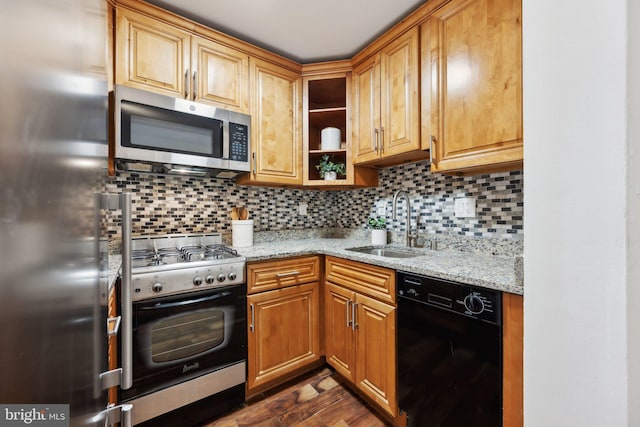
<point x="303" y="30"/>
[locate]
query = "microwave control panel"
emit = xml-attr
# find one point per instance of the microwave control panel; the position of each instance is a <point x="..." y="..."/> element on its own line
<point x="239" y="141"/>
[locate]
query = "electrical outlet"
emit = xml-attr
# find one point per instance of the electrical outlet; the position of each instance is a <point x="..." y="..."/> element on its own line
<point x="465" y="207"/>
<point x="381" y="208"/>
<point x="302" y="208"/>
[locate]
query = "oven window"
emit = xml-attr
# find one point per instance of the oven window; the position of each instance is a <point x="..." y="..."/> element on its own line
<point x="182" y="336"/>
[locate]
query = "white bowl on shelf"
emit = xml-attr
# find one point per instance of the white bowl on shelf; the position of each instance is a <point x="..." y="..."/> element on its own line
<point x="330" y="138"/>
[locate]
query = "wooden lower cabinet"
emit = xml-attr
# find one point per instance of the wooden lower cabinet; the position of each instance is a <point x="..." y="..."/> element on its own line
<point x="360" y="341"/>
<point x="283" y="334"/>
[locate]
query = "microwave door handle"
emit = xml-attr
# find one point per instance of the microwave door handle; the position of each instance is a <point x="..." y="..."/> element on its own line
<point x="226" y="140"/>
<point x="126" y="296"/>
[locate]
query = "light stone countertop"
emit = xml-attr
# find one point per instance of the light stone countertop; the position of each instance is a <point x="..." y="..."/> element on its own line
<point x="489" y="271"/>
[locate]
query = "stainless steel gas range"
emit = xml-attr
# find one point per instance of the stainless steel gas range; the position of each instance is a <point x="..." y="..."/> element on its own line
<point x="187" y="344"/>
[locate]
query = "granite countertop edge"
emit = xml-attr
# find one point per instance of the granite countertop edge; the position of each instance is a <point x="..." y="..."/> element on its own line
<point x="484" y="270"/>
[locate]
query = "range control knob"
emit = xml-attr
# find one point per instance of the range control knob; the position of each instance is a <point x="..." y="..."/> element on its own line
<point x="221" y="277"/>
<point x="474" y="303"/>
<point x="210" y="279"/>
<point x="232" y="276"/>
<point x="197" y="280"/>
<point x="157" y="287"/>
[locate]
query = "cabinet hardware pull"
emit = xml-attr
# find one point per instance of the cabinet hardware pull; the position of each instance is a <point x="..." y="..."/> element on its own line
<point x="252" y="317"/>
<point x="253" y="157"/>
<point x="186" y="84"/>
<point x="348" y="314"/>
<point x="288" y="273"/>
<point x="195" y="84"/>
<point x="375" y="145"/>
<point x="431" y="141"/>
<point x="354" y="324"/>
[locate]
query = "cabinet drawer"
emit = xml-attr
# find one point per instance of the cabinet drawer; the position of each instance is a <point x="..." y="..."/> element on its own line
<point x="264" y="276"/>
<point x="376" y="282"/>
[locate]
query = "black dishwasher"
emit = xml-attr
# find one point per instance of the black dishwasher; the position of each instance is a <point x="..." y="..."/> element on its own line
<point x="449" y="353"/>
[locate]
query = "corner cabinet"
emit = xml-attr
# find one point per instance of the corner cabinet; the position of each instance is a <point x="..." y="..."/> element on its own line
<point x="326" y="103"/>
<point x="360" y="329"/>
<point x="386" y="107"/>
<point x="276" y="135"/>
<point x="163" y="58"/>
<point x="283" y="308"/>
<point x="472" y="86"/>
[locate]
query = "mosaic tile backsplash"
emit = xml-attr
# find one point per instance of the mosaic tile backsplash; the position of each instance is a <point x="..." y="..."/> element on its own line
<point x="164" y="204"/>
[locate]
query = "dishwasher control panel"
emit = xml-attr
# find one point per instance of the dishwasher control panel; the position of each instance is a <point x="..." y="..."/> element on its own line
<point x="467" y="300"/>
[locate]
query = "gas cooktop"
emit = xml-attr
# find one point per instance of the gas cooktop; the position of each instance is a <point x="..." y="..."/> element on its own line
<point x="172" y="264"/>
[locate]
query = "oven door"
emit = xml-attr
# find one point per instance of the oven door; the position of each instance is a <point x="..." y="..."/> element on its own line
<point x="181" y="337"/>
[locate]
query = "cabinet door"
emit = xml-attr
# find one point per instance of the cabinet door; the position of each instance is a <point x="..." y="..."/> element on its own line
<point x="376" y="352"/>
<point x="400" y="106"/>
<point x="366" y="110"/>
<point x="276" y="131"/>
<point x="151" y="55"/>
<point x="283" y="333"/>
<point x="340" y="339"/>
<point x="475" y="52"/>
<point x="221" y="75"/>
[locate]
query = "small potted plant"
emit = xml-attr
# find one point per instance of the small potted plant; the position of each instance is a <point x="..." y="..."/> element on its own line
<point x="378" y="227"/>
<point x="330" y="170"/>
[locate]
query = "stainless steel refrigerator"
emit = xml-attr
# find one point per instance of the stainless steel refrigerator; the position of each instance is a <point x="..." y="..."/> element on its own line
<point x="53" y="158"/>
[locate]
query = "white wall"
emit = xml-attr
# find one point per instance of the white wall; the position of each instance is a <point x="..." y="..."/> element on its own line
<point x="575" y="214"/>
<point x="633" y="213"/>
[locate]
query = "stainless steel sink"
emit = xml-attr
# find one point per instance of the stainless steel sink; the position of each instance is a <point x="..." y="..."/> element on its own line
<point x="386" y="252"/>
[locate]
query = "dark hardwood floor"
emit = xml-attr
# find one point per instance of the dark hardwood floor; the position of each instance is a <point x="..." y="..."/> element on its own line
<point x="318" y="399"/>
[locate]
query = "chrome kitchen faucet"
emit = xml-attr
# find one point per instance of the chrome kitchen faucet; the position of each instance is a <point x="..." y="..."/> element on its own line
<point x="410" y="238"/>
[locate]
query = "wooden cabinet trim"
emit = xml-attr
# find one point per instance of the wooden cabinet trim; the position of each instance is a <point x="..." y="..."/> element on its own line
<point x="268" y="275"/>
<point x="377" y="282"/>
<point x="512" y="353"/>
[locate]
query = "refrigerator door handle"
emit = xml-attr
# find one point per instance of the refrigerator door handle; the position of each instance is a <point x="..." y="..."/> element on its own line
<point x="111" y="378"/>
<point x="122" y="201"/>
<point x="120" y="414"/>
<point x="113" y="325"/>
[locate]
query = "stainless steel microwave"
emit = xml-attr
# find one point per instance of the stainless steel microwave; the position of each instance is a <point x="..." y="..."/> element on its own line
<point x="161" y="134"/>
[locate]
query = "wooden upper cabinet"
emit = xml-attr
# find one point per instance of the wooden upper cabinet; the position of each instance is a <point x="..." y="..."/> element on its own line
<point x="276" y="141"/>
<point x="151" y="55"/>
<point x="400" y="105"/>
<point x="221" y="75"/>
<point x="472" y="86"/>
<point x="386" y="106"/>
<point x="162" y="58"/>
<point x="366" y="111"/>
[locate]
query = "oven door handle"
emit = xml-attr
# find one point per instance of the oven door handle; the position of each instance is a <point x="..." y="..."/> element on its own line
<point x="160" y="306"/>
